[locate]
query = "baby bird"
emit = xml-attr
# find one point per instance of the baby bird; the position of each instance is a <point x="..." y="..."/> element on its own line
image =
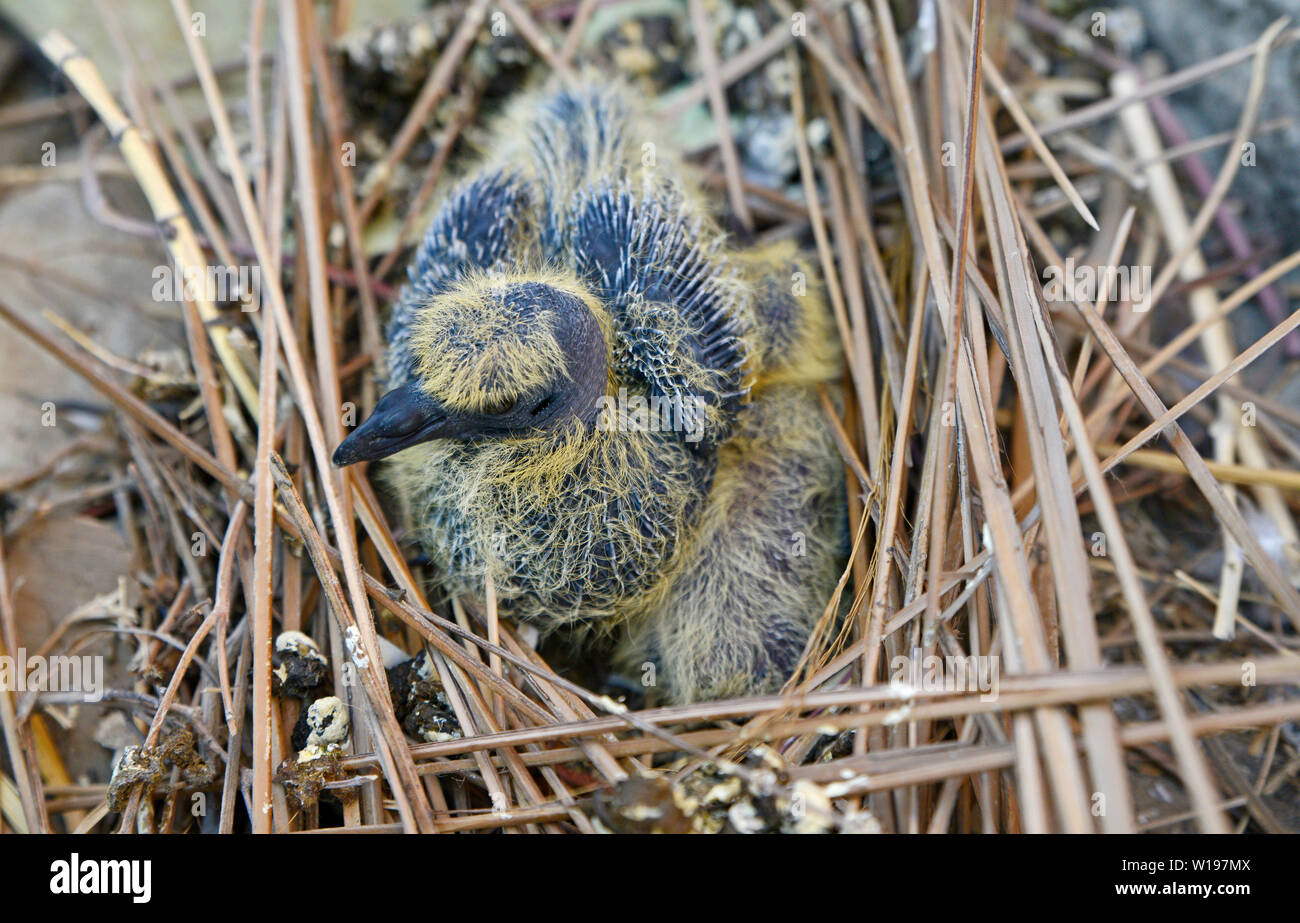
<point x="597" y="402"/>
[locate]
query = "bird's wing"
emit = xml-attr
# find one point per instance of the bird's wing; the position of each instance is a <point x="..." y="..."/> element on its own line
<point x="614" y="209"/>
<point x="482" y="226"/>
<point x="674" y="296"/>
<point x="793" y="338"/>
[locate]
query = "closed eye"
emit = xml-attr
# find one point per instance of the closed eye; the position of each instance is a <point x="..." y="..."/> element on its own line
<point x="541" y="406"/>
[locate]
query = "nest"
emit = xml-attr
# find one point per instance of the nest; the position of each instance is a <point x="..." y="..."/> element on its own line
<point x="1070" y="602"/>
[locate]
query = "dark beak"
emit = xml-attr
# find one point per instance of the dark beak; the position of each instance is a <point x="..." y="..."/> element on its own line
<point x="404" y="417"/>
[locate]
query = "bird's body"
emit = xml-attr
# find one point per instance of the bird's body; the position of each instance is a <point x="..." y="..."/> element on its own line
<point x="599" y="404"/>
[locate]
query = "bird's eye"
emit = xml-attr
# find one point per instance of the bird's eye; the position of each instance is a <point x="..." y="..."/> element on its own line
<point x="542" y="405"/>
<point x="499" y="406"/>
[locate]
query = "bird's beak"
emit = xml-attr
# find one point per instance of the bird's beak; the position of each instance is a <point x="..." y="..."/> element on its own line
<point x="404" y="417"/>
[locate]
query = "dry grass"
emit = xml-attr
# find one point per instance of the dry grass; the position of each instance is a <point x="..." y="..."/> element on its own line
<point x="982" y="422"/>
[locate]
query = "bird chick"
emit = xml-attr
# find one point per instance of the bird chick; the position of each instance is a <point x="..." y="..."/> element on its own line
<point x="597" y="402"/>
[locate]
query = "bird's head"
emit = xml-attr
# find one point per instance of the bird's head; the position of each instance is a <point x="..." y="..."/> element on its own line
<point x="494" y="357"/>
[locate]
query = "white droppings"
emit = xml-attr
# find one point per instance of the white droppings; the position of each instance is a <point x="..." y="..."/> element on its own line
<point x="897" y="715"/>
<point x="298" y="643"/>
<point x="327" y="719"/>
<point x="724" y="792"/>
<point x="424" y="669"/>
<point x="816" y="814"/>
<point x="901" y="690"/>
<point x="745" y="818"/>
<point x="352" y="640"/>
<point x="853" y="784"/>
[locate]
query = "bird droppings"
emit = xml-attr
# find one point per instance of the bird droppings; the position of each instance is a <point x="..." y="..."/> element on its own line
<point x="143" y="769"/>
<point x="298" y="668"/>
<point x="900" y="689"/>
<point x="897" y="715"/>
<point x="811" y="808"/>
<point x="767" y="757"/>
<point x="420" y="702"/>
<point x="715" y="798"/>
<point x="744" y="817"/>
<point x="304" y="779"/>
<point x="352" y="640"/>
<point x="322" y="728"/>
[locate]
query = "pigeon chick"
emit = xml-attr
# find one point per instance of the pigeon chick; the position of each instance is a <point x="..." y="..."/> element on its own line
<point x="596" y="402"/>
